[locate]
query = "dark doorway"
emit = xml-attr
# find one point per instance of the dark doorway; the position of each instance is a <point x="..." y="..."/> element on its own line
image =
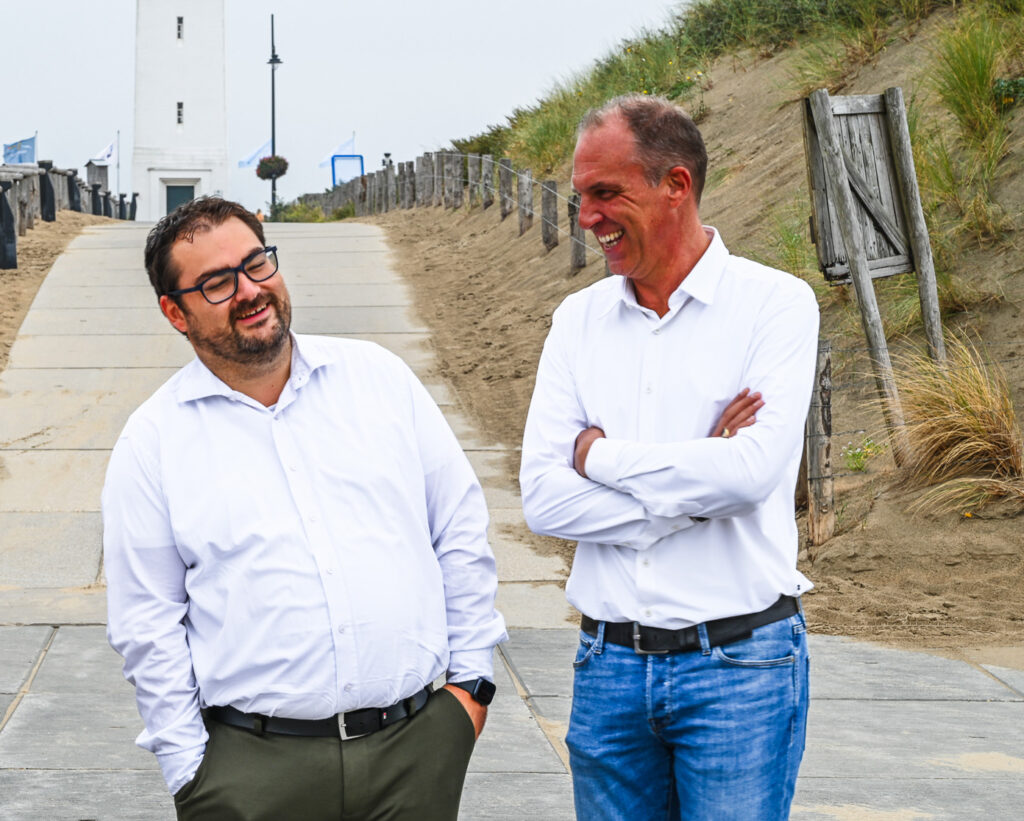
<point x="178" y="194"/>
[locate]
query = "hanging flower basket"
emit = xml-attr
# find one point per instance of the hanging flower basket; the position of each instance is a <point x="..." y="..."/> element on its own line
<point x="270" y="168"/>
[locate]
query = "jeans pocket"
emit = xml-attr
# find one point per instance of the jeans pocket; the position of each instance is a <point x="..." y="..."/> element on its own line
<point x="773" y="645"/>
<point x="585" y="650"/>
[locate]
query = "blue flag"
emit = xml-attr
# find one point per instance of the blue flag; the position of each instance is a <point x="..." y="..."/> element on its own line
<point x="20" y="151"/>
<point x="255" y="156"/>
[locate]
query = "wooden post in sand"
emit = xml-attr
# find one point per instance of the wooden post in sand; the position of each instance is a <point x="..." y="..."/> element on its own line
<point x="505" y="186"/>
<point x="821" y="514"/>
<point x="524" y="198"/>
<point x="549" y="213"/>
<point x="457" y="179"/>
<point x="487" y="179"/>
<point x="578" y="254"/>
<point x="472" y="179"/>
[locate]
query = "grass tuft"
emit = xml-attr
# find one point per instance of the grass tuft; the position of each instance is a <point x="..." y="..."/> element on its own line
<point x="961" y="427"/>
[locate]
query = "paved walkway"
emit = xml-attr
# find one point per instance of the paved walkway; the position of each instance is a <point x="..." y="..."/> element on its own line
<point x="893" y="735"/>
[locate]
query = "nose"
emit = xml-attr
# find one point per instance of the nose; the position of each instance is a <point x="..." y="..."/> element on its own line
<point x="247" y="289"/>
<point x="588" y="216"/>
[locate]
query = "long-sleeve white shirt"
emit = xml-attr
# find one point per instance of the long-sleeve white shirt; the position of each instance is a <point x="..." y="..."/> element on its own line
<point x="323" y="555"/>
<point x="656" y="387"/>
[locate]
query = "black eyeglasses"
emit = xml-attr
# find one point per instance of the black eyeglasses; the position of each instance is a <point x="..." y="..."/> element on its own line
<point x="222" y="285"/>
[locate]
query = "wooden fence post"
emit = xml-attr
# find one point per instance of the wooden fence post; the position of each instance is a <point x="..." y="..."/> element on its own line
<point x="446" y="166"/>
<point x="903" y="158"/>
<point x="421" y="179"/>
<point x="472" y="179"/>
<point x="410" y="185"/>
<point x="578" y="248"/>
<point x="400" y="170"/>
<point x="487" y="179"/>
<point x="821" y="514"/>
<point x="438" y="178"/>
<point x="524" y="197"/>
<point x="835" y="165"/>
<point x="549" y="213"/>
<point x="457" y="179"/>
<point x="505" y="200"/>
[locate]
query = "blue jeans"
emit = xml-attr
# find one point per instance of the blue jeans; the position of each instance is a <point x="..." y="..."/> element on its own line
<point x="715" y="734"/>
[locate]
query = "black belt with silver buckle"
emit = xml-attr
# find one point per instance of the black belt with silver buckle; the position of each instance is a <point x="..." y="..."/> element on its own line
<point x="353" y="724"/>
<point x="647" y="640"/>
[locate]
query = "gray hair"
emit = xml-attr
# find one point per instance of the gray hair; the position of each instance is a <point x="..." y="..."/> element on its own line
<point x="665" y="136"/>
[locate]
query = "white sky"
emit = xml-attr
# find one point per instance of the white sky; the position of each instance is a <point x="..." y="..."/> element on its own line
<point x="406" y="76"/>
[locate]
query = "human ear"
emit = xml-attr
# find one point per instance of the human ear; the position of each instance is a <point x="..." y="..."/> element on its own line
<point x="680" y="182"/>
<point x="175" y="315"/>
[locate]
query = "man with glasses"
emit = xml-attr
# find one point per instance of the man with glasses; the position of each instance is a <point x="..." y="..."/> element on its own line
<point x="295" y="549"/>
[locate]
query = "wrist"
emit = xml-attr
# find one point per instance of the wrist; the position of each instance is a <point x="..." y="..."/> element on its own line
<point x="480" y="689"/>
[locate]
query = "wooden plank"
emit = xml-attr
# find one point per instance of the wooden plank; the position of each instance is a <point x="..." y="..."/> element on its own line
<point x="577" y="245"/>
<point x="903" y="159"/>
<point x="505" y="200"/>
<point x="524" y="197"/>
<point x="549" y="213"/>
<point x="487" y="179"/>
<point x="821" y="514"/>
<point x="858" y="104"/>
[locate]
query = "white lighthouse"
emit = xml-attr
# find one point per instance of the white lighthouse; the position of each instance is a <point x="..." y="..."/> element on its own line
<point x="181" y="133"/>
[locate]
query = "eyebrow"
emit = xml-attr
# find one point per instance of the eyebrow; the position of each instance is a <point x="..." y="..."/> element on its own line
<point x="247" y="258"/>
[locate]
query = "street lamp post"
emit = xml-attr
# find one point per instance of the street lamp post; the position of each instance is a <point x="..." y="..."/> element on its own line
<point x="273" y="62"/>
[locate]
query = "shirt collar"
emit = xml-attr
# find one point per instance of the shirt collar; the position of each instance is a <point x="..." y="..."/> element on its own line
<point x="199" y="382"/>
<point x="701" y="283"/>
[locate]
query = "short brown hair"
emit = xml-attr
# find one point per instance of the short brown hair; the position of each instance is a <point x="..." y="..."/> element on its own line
<point x="665" y="136"/>
<point x="182" y="223"/>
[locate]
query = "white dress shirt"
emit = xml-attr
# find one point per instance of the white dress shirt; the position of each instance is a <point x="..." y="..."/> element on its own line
<point x="656" y="387"/>
<point x="320" y="556"/>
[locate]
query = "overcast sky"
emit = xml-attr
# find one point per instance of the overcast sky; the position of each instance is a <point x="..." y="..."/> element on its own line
<point x="405" y="75"/>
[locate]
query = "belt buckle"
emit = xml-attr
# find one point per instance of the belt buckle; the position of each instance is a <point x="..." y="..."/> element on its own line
<point x="640" y="650"/>
<point x="343" y="732"/>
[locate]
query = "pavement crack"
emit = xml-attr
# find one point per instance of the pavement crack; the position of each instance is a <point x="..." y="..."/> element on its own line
<point x="23" y="690"/>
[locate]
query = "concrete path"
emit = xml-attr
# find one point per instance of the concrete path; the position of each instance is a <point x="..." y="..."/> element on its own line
<point x="893" y="735"/>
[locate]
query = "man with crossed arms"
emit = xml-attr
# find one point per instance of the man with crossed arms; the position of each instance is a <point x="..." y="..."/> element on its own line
<point x="690" y="692"/>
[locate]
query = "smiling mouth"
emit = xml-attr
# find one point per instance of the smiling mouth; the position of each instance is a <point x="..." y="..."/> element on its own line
<point x="609" y="240"/>
<point x="253" y="313"/>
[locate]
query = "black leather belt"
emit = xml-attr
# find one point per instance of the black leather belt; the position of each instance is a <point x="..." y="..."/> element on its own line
<point x="646" y="640"/>
<point x="353" y="724"/>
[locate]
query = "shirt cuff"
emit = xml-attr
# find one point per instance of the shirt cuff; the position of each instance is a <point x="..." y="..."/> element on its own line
<point x="180" y="767"/>
<point x="601" y="459"/>
<point x="469" y="664"/>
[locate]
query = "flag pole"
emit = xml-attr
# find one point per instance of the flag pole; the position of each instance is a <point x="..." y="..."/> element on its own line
<point x="118" y="161"/>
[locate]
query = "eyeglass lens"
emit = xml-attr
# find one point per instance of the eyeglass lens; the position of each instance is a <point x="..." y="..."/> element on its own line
<point x="223" y="286"/>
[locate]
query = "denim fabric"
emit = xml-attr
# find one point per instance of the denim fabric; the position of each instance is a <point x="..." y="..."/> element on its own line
<point x="715" y="734"/>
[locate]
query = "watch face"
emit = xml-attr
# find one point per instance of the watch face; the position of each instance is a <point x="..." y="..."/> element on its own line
<point x="484" y="691"/>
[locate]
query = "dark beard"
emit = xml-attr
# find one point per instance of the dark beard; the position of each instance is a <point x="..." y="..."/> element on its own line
<point x="245" y="349"/>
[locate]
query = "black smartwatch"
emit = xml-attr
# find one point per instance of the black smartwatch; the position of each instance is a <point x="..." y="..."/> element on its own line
<point x="481" y="689"/>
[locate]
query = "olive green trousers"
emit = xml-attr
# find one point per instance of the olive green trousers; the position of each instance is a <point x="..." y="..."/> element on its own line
<point x="410" y="771"/>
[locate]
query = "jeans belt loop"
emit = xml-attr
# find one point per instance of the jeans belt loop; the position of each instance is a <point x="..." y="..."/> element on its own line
<point x="705" y="644"/>
<point x="599" y="641"/>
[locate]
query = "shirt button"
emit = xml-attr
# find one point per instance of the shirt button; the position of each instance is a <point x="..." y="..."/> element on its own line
<point x="312" y="519"/>
<point x="646" y="562"/>
<point x="330" y="571"/>
<point x="348" y="688"/>
<point x="648" y="389"/>
<point x="341" y="628"/>
<point x="647" y="613"/>
<point x="657" y="331"/>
